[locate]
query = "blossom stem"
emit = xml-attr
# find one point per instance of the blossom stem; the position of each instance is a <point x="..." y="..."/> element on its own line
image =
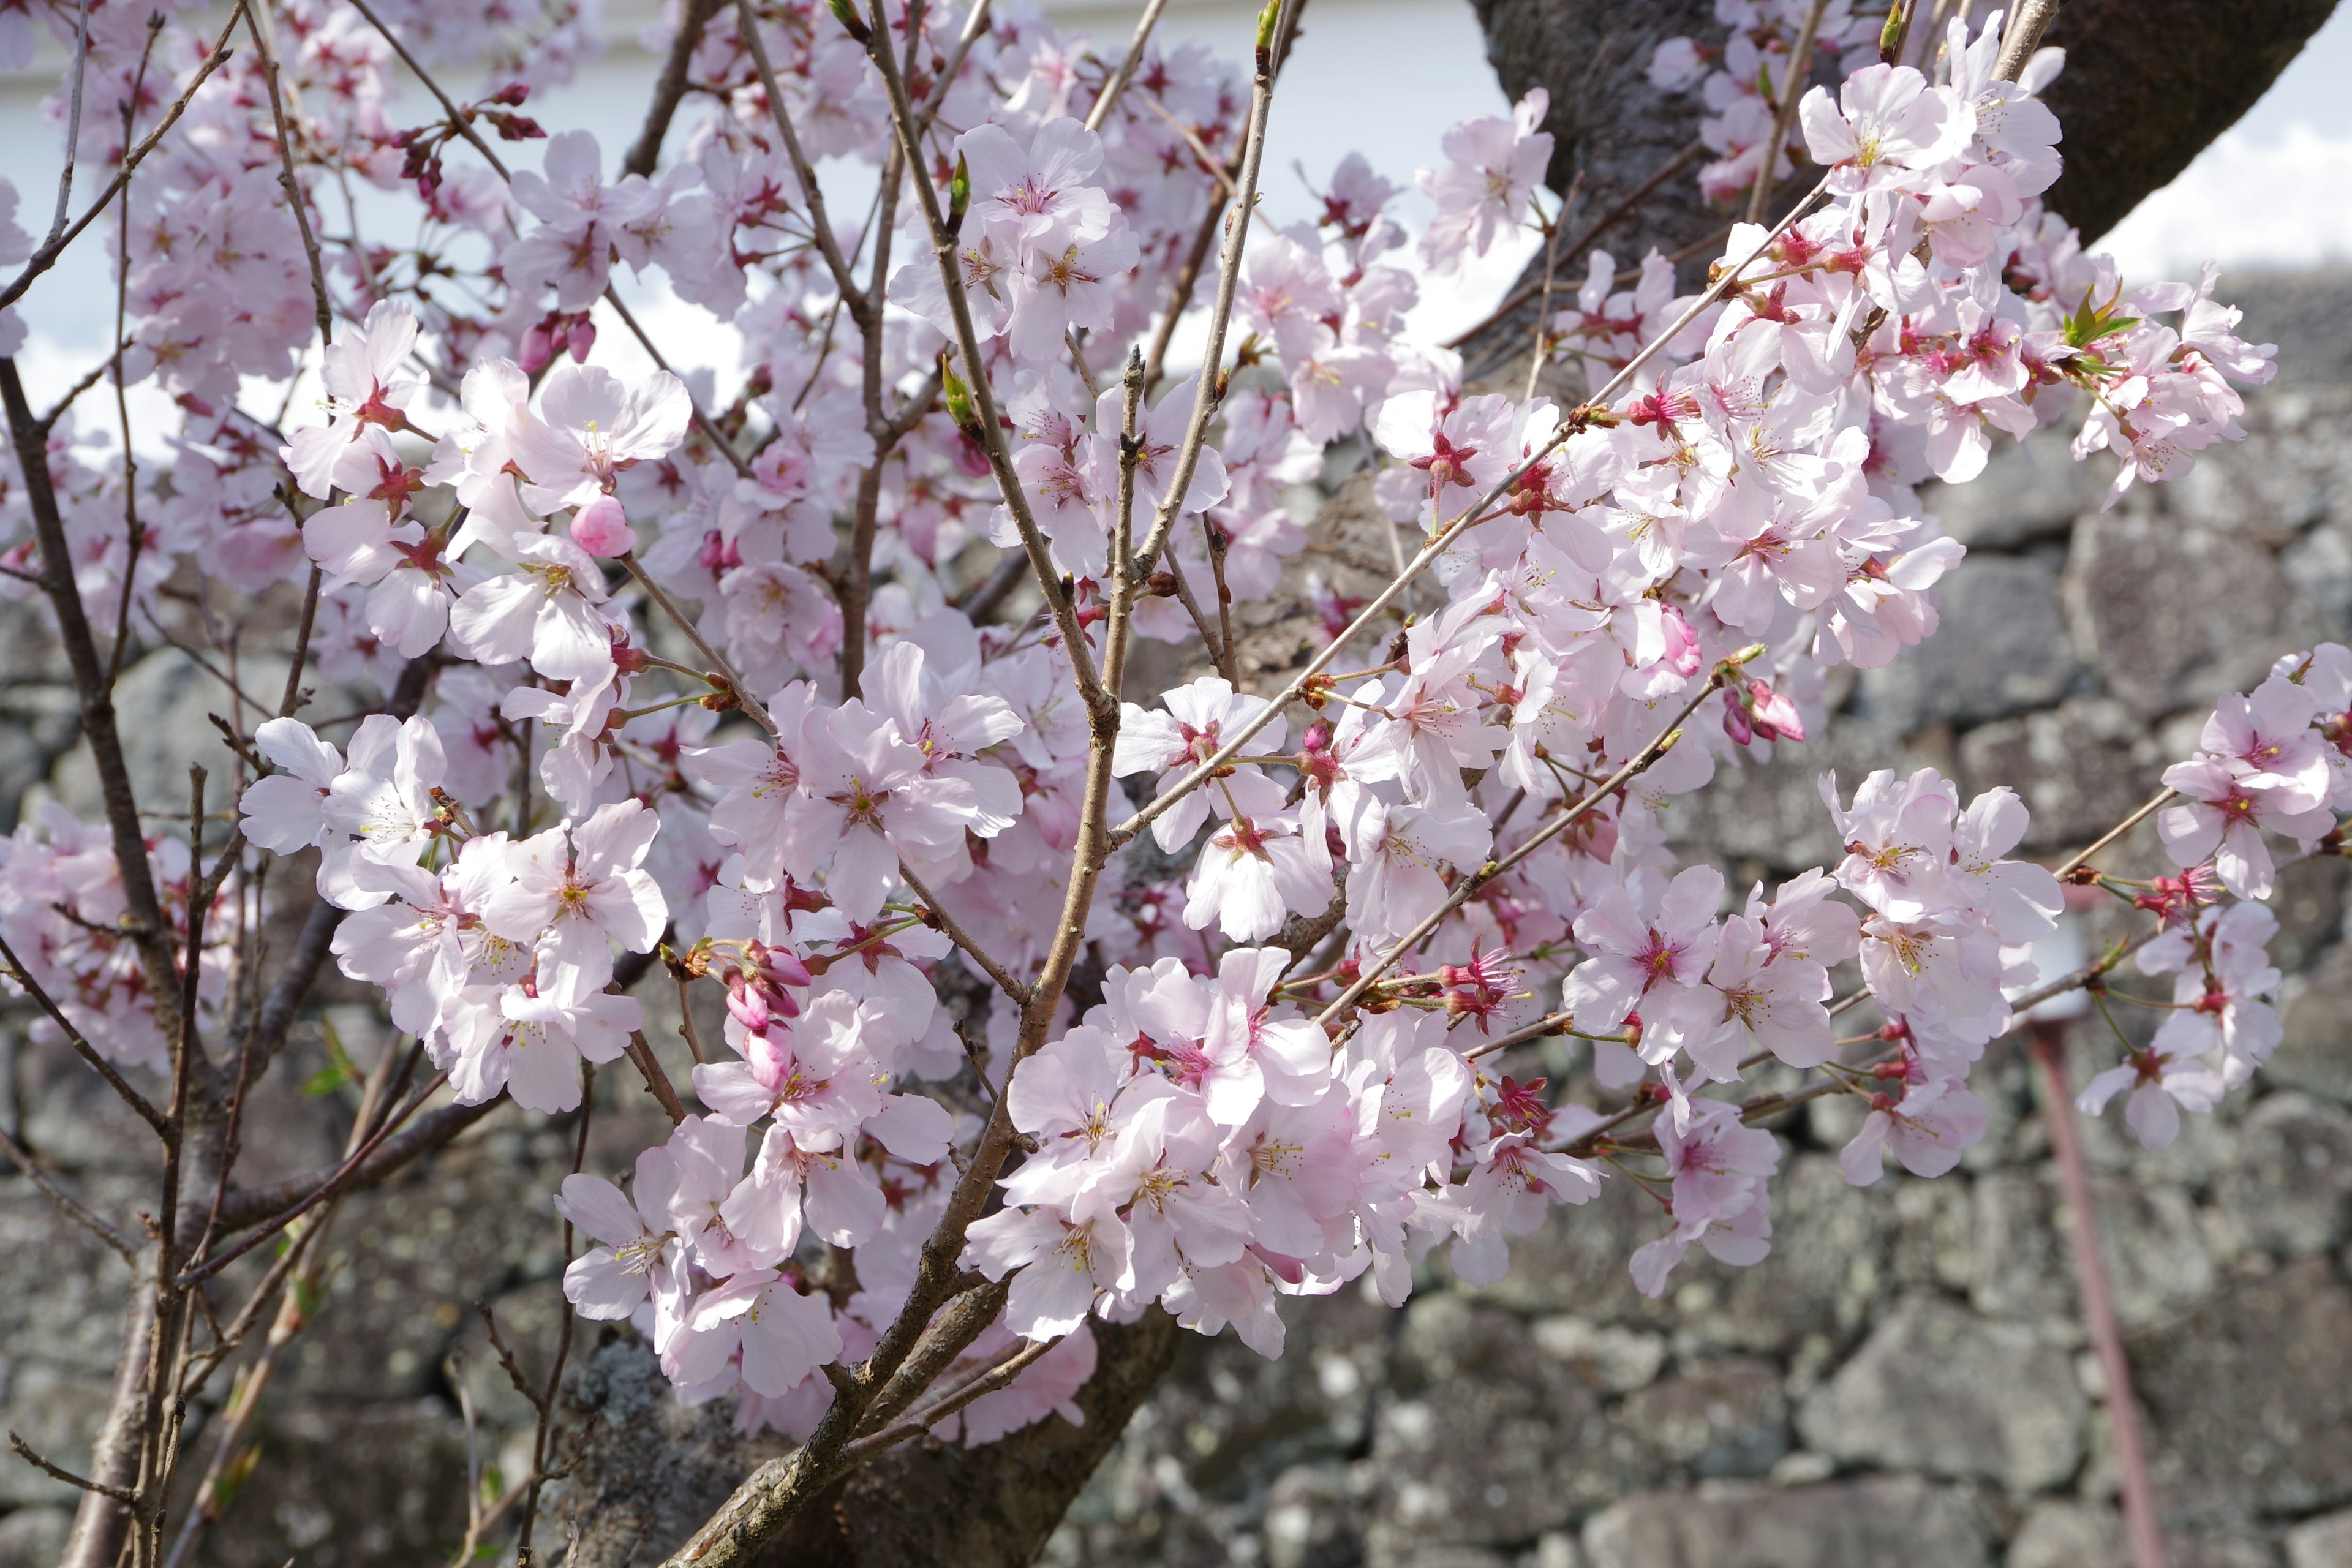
<point x="2077" y="862"/>
<point x="1109" y="99"/>
<point x="991" y="427"/>
<point x="1207" y="392"/>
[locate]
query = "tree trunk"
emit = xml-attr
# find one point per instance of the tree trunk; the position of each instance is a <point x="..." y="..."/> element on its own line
<point x="649" y="1472"/>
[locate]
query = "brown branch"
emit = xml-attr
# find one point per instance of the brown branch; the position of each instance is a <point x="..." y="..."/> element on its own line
<point x="670" y="89"/>
<point x="74" y="1209"/>
<point x="25" y="1452"/>
<point x="293" y="188"/>
<point x="146" y="925"/>
<point x="82" y="1047"/>
<point x="936" y="916"/>
<point x="249" y="1206"/>
<point x="1784" y="114"/>
<point x="641" y="1057"/>
<point x="930" y="1415"/>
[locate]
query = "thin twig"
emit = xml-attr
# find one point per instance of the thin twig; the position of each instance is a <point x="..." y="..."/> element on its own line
<point x="2026" y="25"/>
<point x="46" y="257"/>
<point x="73" y="123"/>
<point x="641" y="1057"/>
<point x="2098" y="1302"/>
<point x="2078" y="861"/>
<point x="936" y="915"/>
<point x="82" y="1047"/>
<point x="1126" y="72"/>
<point x="1784" y="114"/>
<point x="74" y="1208"/>
<point x="931" y="1414"/>
<point x="1625" y="203"/>
<point x="750" y="704"/>
<point x="26" y="1453"/>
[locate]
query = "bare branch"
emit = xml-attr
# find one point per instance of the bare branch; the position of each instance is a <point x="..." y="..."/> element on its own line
<point x="936" y="915"/>
<point x="74" y="1209"/>
<point x="641" y="1057"/>
<point x="1117" y="85"/>
<point x="1792" y="87"/>
<point x="82" y="1047"/>
<point x="670" y="88"/>
<point x="25" y="1452"/>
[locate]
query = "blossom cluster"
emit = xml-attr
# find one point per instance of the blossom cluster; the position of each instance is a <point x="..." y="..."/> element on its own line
<point x="731" y="674"/>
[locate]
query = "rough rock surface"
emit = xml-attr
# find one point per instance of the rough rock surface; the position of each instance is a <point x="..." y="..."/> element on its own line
<point x="1756" y="1418"/>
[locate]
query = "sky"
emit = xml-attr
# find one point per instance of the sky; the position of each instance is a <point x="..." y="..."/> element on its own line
<point x="1381" y="77"/>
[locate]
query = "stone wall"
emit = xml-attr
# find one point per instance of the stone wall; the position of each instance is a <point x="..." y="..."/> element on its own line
<point x="1903" y="1380"/>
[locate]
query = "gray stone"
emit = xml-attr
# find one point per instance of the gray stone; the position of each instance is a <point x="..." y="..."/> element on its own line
<point x="1617" y="1359"/>
<point x="2289" y="473"/>
<point x="2173" y="615"/>
<point x="1829" y="1247"/>
<point x="34" y="1537"/>
<point x="1310" y="1519"/>
<point x="2324" y="1543"/>
<point x="2000" y="647"/>
<point x="2156" y="1257"/>
<point x="1725" y="1417"/>
<point x="2316" y="1055"/>
<point x="2309" y="904"/>
<point x="1853" y="1524"/>
<point x="2287" y="1190"/>
<point x="2309" y="313"/>
<point x="2069" y="1535"/>
<point x="1485" y="1442"/>
<point x="1939" y="1390"/>
<point x="2080" y="768"/>
<point x="2250" y="1396"/>
<point x="2030" y="489"/>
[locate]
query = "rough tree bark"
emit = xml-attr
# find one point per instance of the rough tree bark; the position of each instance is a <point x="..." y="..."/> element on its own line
<point x="2149" y="83"/>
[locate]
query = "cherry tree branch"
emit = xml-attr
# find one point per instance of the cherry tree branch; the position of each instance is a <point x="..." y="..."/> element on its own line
<point x="1784" y="113"/>
<point x="669" y="89"/>
<point x="1208" y="392"/>
<point x="72" y="1207"/>
<point x="145" y="925"/>
<point x="1443" y="541"/>
<point x="935" y="914"/>
<point x="990" y="431"/>
<point x="43" y="259"/>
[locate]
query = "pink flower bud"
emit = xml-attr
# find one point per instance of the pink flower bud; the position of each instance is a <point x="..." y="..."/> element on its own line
<point x="602" y="528"/>
<point x="1777" y="717"/>
<point x="1682" y="643"/>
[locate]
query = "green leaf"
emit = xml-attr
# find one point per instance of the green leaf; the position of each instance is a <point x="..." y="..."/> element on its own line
<point x="328" y="1079"/>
